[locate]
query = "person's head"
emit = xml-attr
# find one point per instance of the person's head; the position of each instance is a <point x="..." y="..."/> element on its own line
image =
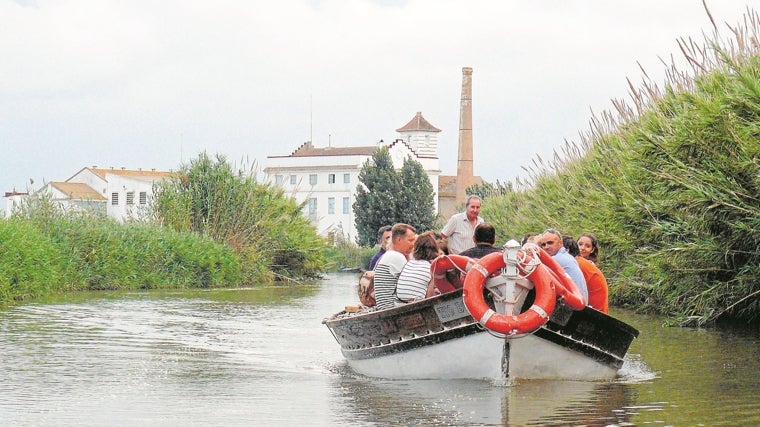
<point x="426" y="247"/>
<point x="473" y="207"/>
<point x="484" y="233"/>
<point x="571" y="245"/>
<point x="402" y="236"/>
<point x="551" y="241"/>
<point x="528" y="237"/>
<point x="588" y="246"/>
<point x="383" y="234"/>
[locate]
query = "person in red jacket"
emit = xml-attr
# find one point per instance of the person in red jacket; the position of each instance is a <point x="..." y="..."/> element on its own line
<point x="598" y="292"/>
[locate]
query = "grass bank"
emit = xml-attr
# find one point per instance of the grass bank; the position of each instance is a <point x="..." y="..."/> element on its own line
<point x="669" y="182"/>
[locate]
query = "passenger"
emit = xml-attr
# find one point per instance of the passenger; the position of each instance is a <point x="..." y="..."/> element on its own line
<point x="391" y="263"/>
<point x="484" y="238"/>
<point x="452" y="276"/>
<point x="460" y="228"/>
<point x="589" y="247"/>
<point x="416" y="281"/>
<point x="598" y="292"/>
<point x="383" y="235"/>
<point x="551" y="242"/>
<point x="528" y="238"/>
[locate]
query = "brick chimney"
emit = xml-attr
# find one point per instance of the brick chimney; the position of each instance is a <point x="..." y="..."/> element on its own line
<point x="465" y="173"/>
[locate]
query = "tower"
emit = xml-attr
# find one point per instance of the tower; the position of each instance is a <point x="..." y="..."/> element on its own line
<point x="465" y="173"/>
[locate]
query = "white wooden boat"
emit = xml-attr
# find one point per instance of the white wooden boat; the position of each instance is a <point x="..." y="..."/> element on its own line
<point x="438" y="338"/>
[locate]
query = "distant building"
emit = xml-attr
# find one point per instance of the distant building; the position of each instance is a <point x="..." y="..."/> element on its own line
<point x="118" y="193"/>
<point x="326" y="178"/>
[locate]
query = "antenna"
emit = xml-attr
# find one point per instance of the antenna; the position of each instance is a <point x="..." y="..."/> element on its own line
<point x="311" y="119"/>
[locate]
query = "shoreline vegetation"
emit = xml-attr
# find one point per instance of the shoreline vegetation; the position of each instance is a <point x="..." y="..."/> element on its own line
<point x="670" y="183"/>
<point x="209" y="227"/>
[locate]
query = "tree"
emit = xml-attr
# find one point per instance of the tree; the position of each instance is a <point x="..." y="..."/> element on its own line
<point x="385" y="196"/>
<point x="416" y="206"/>
<point x="375" y="203"/>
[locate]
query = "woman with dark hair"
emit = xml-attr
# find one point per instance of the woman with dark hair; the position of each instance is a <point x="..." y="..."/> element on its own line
<point x="596" y="283"/>
<point x="415" y="281"/>
<point x="588" y="246"/>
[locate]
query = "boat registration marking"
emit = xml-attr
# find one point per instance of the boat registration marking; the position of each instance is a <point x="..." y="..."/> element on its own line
<point x="451" y="310"/>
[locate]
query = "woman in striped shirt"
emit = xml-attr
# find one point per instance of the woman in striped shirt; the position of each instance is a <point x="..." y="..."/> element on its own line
<point x="415" y="281"/>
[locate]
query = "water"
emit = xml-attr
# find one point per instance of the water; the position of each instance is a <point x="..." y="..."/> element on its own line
<point x="262" y="357"/>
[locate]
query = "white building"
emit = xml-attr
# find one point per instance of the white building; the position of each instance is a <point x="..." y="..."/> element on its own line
<point x="119" y="193"/>
<point x="326" y="178"/>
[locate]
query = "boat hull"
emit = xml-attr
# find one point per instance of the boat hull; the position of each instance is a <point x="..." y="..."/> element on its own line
<point x="437" y="338"/>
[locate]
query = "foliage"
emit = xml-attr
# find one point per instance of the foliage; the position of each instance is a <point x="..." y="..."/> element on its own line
<point x="256" y="219"/>
<point x="347" y="254"/>
<point x="49" y="251"/>
<point x="670" y="186"/>
<point x="415" y="204"/>
<point x="385" y="197"/>
<point x="375" y="204"/>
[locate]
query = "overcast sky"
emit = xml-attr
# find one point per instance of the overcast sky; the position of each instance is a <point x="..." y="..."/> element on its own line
<point x="150" y="84"/>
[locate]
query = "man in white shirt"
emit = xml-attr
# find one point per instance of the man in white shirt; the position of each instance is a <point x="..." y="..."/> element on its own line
<point x="460" y="228"/>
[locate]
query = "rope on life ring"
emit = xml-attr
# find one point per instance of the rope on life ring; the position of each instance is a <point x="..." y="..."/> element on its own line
<point x="444" y="263"/>
<point x="530" y="320"/>
<point x="567" y="289"/>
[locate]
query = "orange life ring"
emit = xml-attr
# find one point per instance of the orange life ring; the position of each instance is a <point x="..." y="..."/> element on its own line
<point x="444" y="263"/>
<point x="567" y="288"/>
<point x="523" y="323"/>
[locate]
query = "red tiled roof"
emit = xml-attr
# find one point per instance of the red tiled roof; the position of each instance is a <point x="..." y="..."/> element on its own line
<point x="77" y="191"/>
<point x="307" y="149"/>
<point x="418" y="123"/>
<point x="131" y="173"/>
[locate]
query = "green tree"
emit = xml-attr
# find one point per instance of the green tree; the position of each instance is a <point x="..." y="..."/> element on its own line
<point x="416" y="206"/>
<point x="376" y="196"/>
<point x="386" y="196"/>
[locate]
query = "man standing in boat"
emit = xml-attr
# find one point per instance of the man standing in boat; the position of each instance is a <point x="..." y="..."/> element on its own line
<point x="391" y="263"/>
<point x="460" y="228"/>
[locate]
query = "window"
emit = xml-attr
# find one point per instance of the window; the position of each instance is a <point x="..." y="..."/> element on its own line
<point x="143" y="198"/>
<point x="130" y="197"/>
<point x="114" y="199"/>
<point x="313" y="179"/>
<point x="345" y="206"/>
<point x="346" y="178"/>
<point x="278" y="179"/>
<point x="331" y="205"/>
<point x="312" y="206"/>
<point x="293" y="180"/>
<point x="331" y="178"/>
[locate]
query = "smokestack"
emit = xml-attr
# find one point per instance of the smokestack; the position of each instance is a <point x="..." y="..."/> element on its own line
<point x="465" y="171"/>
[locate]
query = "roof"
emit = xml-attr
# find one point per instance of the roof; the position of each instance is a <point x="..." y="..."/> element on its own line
<point x="307" y="149"/>
<point x="418" y="123"/>
<point x="130" y="173"/>
<point x="77" y="191"/>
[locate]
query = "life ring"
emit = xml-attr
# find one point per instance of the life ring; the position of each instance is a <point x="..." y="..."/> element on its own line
<point x="444" y="263"/>
<point x="530" y="320"/>
<point x="567" y="289"/>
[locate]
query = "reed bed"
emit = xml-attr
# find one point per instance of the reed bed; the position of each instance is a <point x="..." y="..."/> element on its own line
<point x="670" y="183"/>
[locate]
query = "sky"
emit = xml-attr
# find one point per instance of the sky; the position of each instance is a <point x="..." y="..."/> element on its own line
<point x="151" y="84"/>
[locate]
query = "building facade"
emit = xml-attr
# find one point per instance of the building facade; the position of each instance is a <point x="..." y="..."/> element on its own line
<point x="121" y="194"/>
<point x="325" y="179"/>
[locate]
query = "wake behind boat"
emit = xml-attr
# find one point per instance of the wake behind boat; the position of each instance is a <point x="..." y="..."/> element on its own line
<point x="439" y="338"/>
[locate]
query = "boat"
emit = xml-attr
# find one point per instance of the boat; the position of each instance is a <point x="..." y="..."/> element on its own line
<point x="449" y="337"/>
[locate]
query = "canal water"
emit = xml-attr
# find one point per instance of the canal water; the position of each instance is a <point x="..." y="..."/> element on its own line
<point x="261" y="356"/>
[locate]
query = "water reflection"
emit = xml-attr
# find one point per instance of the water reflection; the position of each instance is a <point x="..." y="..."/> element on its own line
<point x="470" y="402"/>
